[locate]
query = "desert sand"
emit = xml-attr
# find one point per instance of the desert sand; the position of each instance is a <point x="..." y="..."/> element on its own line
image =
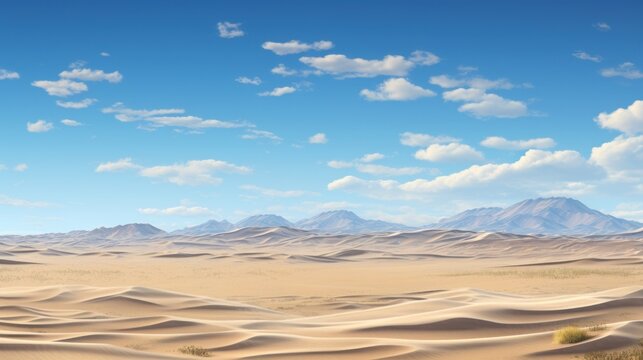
<point x="288" y="294"/>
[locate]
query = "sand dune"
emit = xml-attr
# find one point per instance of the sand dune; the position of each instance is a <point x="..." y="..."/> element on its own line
<point x="288" y="294"/>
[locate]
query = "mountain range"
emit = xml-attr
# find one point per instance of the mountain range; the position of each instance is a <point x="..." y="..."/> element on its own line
<point x="557" y="215"/>
<point x="547" y="216"/>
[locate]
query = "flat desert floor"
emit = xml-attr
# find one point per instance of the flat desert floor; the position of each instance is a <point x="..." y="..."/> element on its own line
<point x="276" y="295"/>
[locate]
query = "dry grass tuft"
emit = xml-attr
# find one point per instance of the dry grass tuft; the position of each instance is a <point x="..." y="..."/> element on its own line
<point x="194" y="350"/>
<point x="571" y="335"/>
<point x="635" y="353"/>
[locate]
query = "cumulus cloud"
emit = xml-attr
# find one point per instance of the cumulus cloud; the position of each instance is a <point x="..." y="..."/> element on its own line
<point x="419" y="140"/>
<point x="424" y="58"/>
<point x="177" y="211"/>
<point x="629" y="120"/>
<point x="82" y="104"/>
<point x="372" y="157"/>
<point x="622" y="157"/>
<point x="229" y="30"/>
<point x="156" y="118"/>
<point x="534" y="172"/>
<point x="91" y="75"/>
<point x="39" y="126"/>
<point x="8" y="75"/>
<point x="498" y="142"/>
<point x="482" y="104"/>
<point x="274" y="192"/>
<point x="279" y="91"/>
<point x="21" y="167"/>
<point x="118" y="165"/>
<point x="70" y="122"/>
<point x="570" y="189"/>
<point x="248" y="81"/>
<point x="295" y="46"/>
<point x="453" y="152"/>
<point x="375" y="169"/>
<point x="253" y="134"/>
<point x="337" y="64"/>
<point x="396" y="89"/>
<point x="319" y="138"/>
<point x="282" y="70"/>
<point x="105" y="54"/>
<point x="626" y="70"/>
<point x="585" y="56"/>
<point x="193" y="172"/>
<point x="448" y="82"/>
<point x="602" y="26"/>
<point x="337" y="164"/>
<point x="63" y="87"/>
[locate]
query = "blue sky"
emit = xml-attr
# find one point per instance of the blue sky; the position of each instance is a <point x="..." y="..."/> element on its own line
<point x="173" y="112"/>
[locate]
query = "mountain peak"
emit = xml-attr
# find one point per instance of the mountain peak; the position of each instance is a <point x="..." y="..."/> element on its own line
<point x="553" y="215"/>
<point x="346" y="222"/>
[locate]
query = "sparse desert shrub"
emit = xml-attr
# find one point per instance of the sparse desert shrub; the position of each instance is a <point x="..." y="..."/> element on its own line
<point x="635" y="353"/>
<point x="195" y="350"/>
<point x="597" y="327"/>
<point x="571" y="335"/>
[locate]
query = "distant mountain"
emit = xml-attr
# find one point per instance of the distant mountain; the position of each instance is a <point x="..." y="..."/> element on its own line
<point x="556" y="215"/>
<point x="209" y="227"/>
<point x="346" y="222"/>
<point x="122" y="232"/>
<point x="266" y="220"/>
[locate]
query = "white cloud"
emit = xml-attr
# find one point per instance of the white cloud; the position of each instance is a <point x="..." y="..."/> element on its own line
<point x="536" y="171"/>
<point x="91" y="75"/>
<point x="274" y="192"/>
<point x="252" y="134"/>
<point x="9" y="201"/>
<point x="248" y="81"/>
<point x="118" y="165"/>
<point x="8" y="75"/>
<point x="63" y="87"/>
<point x="82" y="104"/>
<point x="229" y="30"/>
<point x="337" y="164"/>
<point x="396" y="89"/>
<point x="447" y="82"/>
<point x="375" y="169"/>
<point x="464" y="70"/>
<point x="629" y="121"/>
<point x="177" y="211"/>
<point x="105" y="54"/>
<point x="319" y="138"/>
<point x="167" y="117"/>
<point x="627" y="70"/>
<point x="282" y="70"/>
<point x="279" y="91"/>
<point x="424" y="58"/>
<point x="417" y="139"/>
<point x="482" y="104"/>
<point x="632" y="211"/>
<point x="570" y="189"/>
<point x="602" y="26"/>
<point x="295" y="46"/>
<point x="372" y="157"/>
<point x="193" y="172"/>
<point x="21" y="167"/>
<point x="364" y="165"/>
<point x="621" y="157"/>
<point x="497" y="142"/>
<point x="337" y="64"/>
<point x="585" y="56"/>
<point x="39" y="126"/>
<point x="70" y="122"/>
<point x="452" y="152"/>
